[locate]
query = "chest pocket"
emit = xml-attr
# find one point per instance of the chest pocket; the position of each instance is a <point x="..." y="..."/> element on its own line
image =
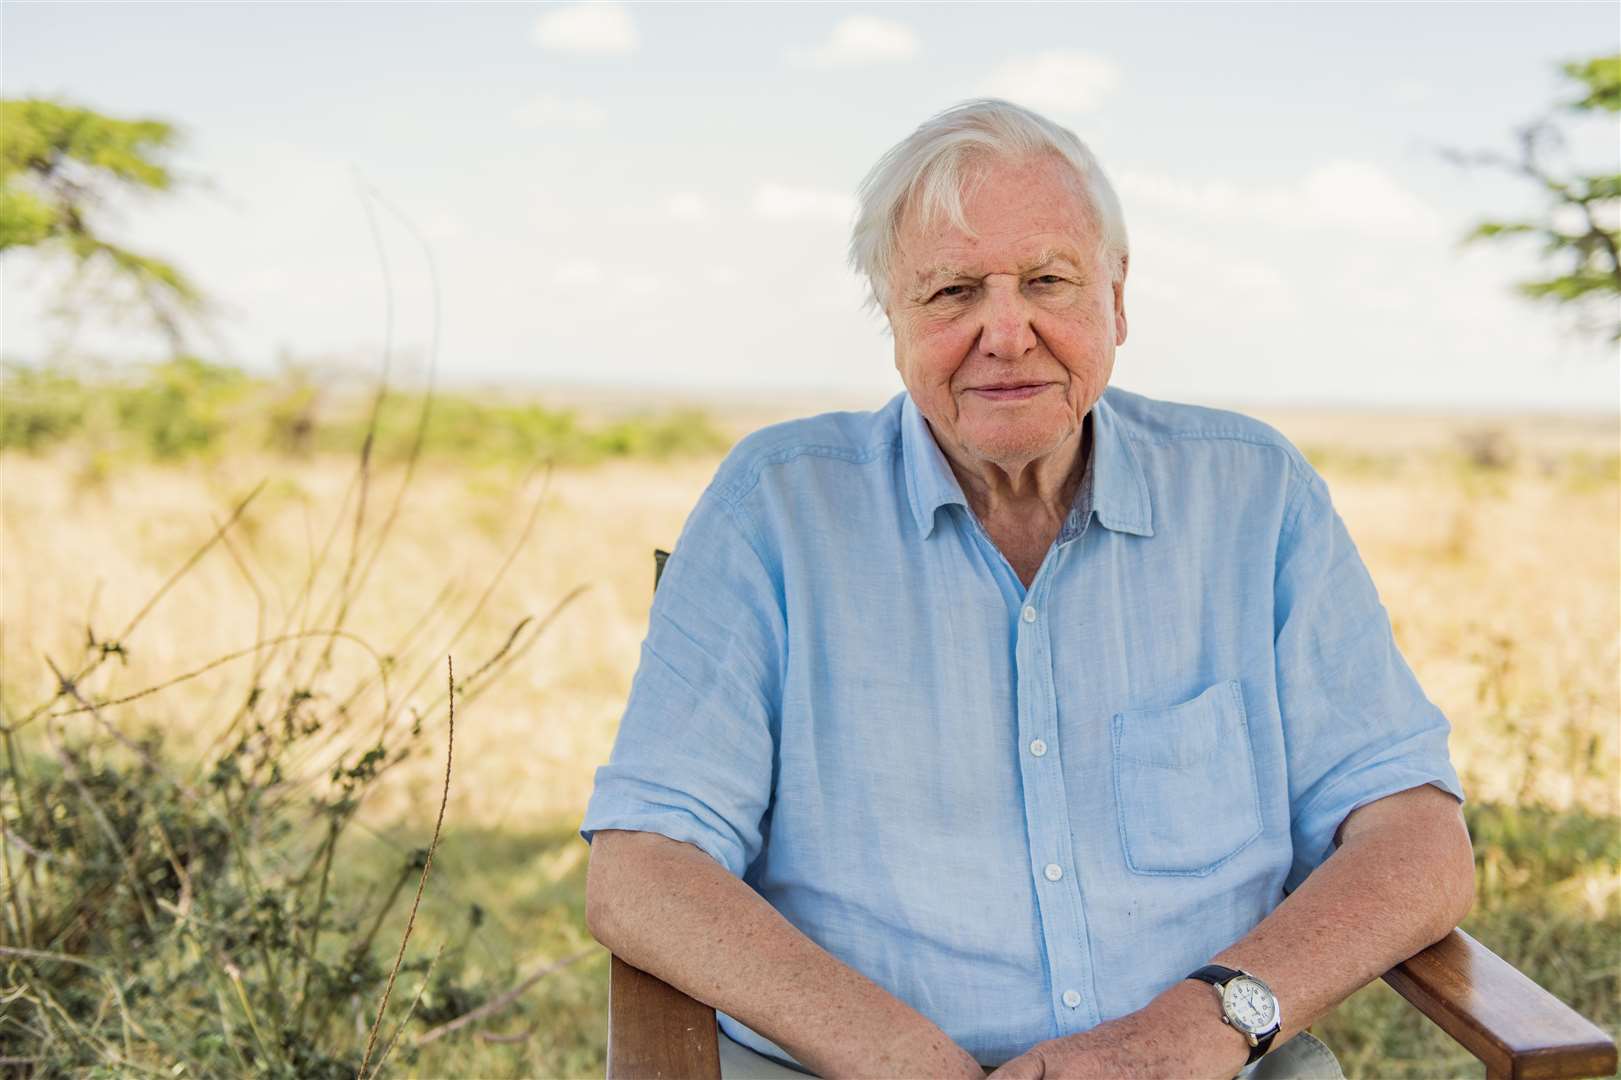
<point x="1185" y="784"/>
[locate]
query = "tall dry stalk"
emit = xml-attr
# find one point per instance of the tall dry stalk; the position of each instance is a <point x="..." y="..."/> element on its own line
<point x="422" y="882"/>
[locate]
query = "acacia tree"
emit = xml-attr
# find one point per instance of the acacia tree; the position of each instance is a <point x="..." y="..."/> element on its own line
<point x="60" y="165"/>
<point x="1578" y="230"/>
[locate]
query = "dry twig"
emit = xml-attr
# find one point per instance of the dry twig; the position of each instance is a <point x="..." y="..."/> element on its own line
<point x="422" y="883"/>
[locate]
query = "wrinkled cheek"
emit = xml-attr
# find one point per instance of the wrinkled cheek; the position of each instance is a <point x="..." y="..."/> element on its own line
<point x="939" y="373"/>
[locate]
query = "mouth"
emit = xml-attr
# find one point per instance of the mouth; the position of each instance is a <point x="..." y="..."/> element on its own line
<point x="1009" y="391"/>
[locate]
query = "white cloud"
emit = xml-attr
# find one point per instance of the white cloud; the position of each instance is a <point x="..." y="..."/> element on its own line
<point x="578" y="272"/>
<point x="1336" y="194"/>
<point x="587" y="273"/>
<point x="554" y="111"/>
<point x="643" y="285"/>
<point x="1062" y="80"/>
<point x="784" y="202"/>
<point x="1356" y="194"/>
<point x="544" y="211"/>
<point x="597" y="29"/>
<point x="1413" y="92"/>
<point x="687" y="206"/>
<point x="443" y="225"/>
<point x="1173" y="266"/>
<point x="865" y="39"/>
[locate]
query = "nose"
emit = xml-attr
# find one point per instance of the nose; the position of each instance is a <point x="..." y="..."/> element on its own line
<point x="1005" y="333"/>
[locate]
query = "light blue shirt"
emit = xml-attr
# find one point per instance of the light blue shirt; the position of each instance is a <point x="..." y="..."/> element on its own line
<point x="1023" y="812"/>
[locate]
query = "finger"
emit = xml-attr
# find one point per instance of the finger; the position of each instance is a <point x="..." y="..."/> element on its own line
<point x="1023" y="1067"/>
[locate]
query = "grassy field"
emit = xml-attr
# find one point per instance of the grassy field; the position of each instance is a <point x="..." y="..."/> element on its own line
<point x="1493" y="542"/>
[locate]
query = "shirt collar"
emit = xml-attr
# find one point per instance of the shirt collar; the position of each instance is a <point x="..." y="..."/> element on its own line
<point x="1114" y="486"/>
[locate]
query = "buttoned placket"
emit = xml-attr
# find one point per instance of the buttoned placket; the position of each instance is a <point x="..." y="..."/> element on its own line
<point x="1058" y="885"/>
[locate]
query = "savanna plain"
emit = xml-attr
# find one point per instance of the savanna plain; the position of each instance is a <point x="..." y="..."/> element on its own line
<point x="216" y="875"/>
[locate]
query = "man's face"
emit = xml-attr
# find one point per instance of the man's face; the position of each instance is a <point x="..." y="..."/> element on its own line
<point x="1005" y="335"/>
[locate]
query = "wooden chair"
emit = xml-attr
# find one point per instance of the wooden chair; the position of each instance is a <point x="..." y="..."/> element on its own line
<point x="1518" y="1030"/>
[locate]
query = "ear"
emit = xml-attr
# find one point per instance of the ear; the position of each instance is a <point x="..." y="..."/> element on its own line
<point x="1120" y="303"/>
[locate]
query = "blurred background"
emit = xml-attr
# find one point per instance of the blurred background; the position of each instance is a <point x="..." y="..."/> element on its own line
<point x="338" y="340"/>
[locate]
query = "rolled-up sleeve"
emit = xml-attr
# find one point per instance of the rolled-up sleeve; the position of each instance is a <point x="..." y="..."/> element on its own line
<point x="693" y="756"/>
<point x="1357" y="725"/>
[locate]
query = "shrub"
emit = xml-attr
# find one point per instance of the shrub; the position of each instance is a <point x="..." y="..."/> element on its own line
<point x="209" y="917"/>
<point x="189" y="407"/>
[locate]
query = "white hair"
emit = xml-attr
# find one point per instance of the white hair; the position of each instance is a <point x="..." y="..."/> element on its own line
<point x="928" y="173"/>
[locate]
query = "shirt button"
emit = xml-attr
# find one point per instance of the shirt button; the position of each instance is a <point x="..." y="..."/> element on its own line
<point x="1072" y="999"/>
<point x="1038" y="748"/>
<point x="1053" y="871"/>
<point x="1029" y="613"/>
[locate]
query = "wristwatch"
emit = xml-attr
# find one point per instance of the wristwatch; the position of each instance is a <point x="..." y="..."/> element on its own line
<point x="1247" y="1005"/>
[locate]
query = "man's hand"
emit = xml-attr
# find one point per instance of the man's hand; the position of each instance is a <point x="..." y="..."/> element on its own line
<point x="1091" y="1053"/>
<point x="1171" y="1036"/>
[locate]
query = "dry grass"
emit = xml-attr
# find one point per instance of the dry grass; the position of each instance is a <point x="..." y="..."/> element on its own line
<point x="77" y="555"/>
<point x="1502" y="583"/>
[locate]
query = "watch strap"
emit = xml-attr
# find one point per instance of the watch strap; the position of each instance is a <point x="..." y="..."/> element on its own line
<point x="1215" y="974"/>
<point x="1263" y="1043"/>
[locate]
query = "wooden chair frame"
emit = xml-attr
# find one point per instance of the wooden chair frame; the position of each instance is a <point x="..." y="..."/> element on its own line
<point x="1514" y="1027"/>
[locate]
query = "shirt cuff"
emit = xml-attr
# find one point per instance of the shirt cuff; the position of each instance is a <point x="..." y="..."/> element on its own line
<point x="1316" y="825"/>
<point x="677" y="826"/>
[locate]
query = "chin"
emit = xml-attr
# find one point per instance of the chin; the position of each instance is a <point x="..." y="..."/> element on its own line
<point x="1016" y="444"/>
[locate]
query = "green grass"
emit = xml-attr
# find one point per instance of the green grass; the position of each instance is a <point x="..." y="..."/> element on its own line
<point x="498" y="881"/>
<point x="188" y="408"/>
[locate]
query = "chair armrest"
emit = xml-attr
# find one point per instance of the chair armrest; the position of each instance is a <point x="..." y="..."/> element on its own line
<point x="1517" y="1029"/>
<point x="654" y="1030"/>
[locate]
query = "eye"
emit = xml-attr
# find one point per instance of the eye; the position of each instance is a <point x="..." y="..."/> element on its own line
<point x="1047" y="279"/>
<point x="951" y="292"/>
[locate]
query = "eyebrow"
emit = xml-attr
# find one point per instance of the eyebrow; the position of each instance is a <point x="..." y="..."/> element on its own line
<point x="927" y="276"/>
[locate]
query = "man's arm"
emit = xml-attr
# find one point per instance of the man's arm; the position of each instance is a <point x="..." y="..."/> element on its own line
<point x="1401" y="878"/>
<point x="671" y="910"/>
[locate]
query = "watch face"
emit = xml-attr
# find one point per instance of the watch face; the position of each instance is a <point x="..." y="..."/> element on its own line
<point x="1249" y="1004"/>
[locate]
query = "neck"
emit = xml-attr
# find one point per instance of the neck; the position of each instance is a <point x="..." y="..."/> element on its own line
<point x="1036" y="487"/>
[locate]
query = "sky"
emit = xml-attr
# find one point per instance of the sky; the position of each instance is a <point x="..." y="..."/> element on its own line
<point x="657" y="197"/>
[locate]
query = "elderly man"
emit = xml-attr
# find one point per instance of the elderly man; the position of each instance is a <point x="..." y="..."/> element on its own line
<point x="994" y="728"/>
